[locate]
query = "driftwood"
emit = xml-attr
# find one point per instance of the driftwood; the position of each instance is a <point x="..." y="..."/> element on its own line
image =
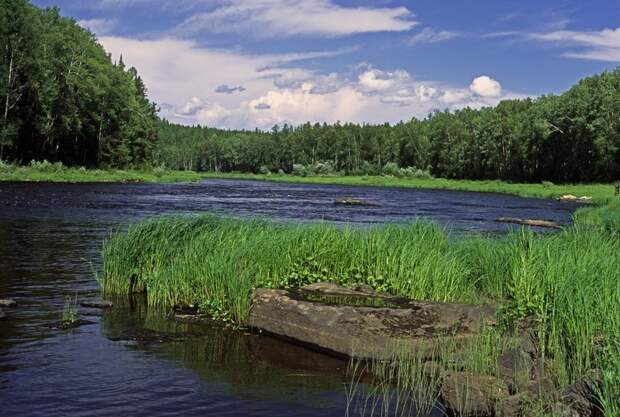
<point x="530" y="222"/>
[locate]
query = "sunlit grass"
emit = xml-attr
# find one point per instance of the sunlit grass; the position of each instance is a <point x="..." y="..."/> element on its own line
<point x="56" y="172"/>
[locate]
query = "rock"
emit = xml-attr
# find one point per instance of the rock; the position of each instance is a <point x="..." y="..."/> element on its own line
<point x="568" y="197"/>
<point x="8" y="303"/>
<point x="73" y="324"/>
<point x="97" y="304"/>
<point x="574" y="198"/>
<point x="617" y="188"/>
<point x="582" y="395"/>
<point x="2" y="314"/>
<point x="513" y="406"/>
<point x="350" y="201"/>
<point x="469" y="394"/>
<point x="529" y="222"/>
<point x="515" y="367"/>
<point x="359" y="323"/>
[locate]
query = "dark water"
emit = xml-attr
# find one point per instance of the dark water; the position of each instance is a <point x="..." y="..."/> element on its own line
<point x="130" y="360"/>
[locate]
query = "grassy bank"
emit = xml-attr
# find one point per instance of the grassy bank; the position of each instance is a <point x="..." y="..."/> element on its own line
<point x="57" y="172"/>
<point x="601" y="193"/>
<point x="568" y="280"/>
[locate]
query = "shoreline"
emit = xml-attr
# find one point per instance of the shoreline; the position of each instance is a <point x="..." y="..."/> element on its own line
<point x="601" y="193"/>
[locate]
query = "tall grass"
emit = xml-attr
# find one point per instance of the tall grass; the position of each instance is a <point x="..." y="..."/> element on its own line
<point x="568" y="280"/>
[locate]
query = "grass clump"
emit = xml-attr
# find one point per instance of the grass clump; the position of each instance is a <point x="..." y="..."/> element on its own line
<point x="568" y="281"/>
<point x="69" y="314"/>
<point x="45" y="171"/>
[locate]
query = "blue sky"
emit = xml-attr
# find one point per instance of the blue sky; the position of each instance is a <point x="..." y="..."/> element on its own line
<point x="254" y="63"/>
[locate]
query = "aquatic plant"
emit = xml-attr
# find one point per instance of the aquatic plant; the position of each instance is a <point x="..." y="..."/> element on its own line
<point x="568" y="281"/>
<point x="69" y="314"/>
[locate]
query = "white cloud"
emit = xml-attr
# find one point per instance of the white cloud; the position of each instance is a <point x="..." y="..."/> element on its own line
<point x="185" y="78"/>
<point x="601" y="45"/>
<point x="376" y="80"/>
<point x="274" y="18"/>
<point x="99" y="26"/>
<point x="485" y="86"/>
<point x="430" y="35"/>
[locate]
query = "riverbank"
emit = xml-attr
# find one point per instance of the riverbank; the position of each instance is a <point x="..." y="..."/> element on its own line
<point x="56" y="172"/>
<point x="600" y="193"/>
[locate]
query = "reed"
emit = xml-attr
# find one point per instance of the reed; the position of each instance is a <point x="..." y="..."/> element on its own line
<point x="568" y="280"/>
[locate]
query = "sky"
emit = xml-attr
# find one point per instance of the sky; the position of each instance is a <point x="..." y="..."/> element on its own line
<point x="256" y="63"/>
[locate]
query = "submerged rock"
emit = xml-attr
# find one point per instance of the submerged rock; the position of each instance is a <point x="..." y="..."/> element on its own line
<point x="361" y="323"/>
<point x="97" y="304"/>
<point x="66" y="325"/>
<point x="8" y="303"/>
<point x="530" y="222"/>
<point x="350" y="201"/>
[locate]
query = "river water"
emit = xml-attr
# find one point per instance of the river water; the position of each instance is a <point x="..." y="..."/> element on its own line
<point x="131" y="361"/>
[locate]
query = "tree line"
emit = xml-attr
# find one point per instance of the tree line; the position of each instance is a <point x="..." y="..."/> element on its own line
<point x="63" y="99"/>
<point x="572" y="137"/>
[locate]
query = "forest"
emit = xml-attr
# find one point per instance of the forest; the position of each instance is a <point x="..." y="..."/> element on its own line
<point x="573" y="137"/>
<point x="63" y="99"/>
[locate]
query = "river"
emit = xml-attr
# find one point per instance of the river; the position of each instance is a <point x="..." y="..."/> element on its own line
<point x="131" y="361"/>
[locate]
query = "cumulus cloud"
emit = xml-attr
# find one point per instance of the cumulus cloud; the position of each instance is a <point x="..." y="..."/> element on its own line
<point x="276" y="93"/>
<point x="377" y="80"/>
<point x="430" y="35"/>
<point x="99" y="26"/>
<point x="273" y="18"/>
<point x="191" y="107"/>
<point x="225" y="89"/>
<point x="485" y="86"/>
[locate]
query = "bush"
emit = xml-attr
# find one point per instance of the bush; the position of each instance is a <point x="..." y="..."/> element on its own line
<point x="299" y="170"/>
<point x="323" y="168"/>
<point x="46" y="166"/>
<point x="160" y="171"/>
<point x="263" y="170"/>
<point x="391" y="168"/>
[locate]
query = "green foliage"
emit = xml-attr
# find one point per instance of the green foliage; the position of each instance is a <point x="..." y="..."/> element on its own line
<point x="567" y="280"/>
<point x="70" y="312"/>
<point x="65" y="100"/>
<point x="546" y="139"/>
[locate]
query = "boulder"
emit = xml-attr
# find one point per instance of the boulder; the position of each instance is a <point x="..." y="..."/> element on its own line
<point x="357" y="322"/>
<point x="8" y="303"/>
<point x="350" y="201"/>
<point x="468" y="394"/>
<point x="574" y="198"/>
<point x="97" y="304"/>
<point x="581" y="397"/>
<point x="530" y="222"/>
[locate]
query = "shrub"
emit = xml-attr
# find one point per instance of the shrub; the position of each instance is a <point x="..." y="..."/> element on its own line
<point x="299" y="170"/>
<point x="391" y="168"/>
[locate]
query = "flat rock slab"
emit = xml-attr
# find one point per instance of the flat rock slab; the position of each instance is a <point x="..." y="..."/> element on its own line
<point x="8" y="303"/>
<point x="97" y="304"/>
<point x="361" y="323"/>
<point x="530" y="222"/>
